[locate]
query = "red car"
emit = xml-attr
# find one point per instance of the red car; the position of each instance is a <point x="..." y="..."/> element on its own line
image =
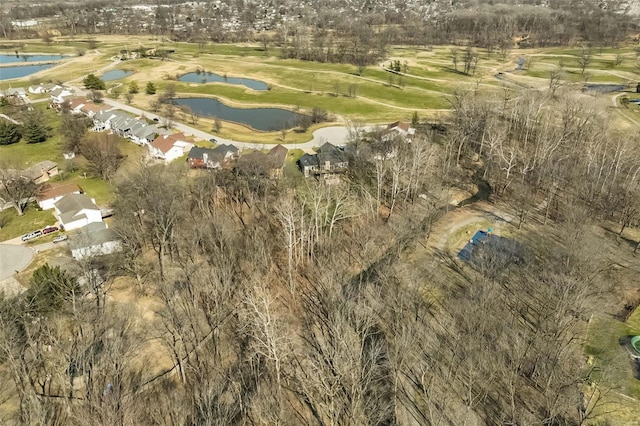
<point x="49" y="229"/>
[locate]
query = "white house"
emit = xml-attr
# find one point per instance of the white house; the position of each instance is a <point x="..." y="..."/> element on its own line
<point x="145" y="135"/>
<point x="51" y="194"/>
<point x="170" y="147"/>
<point x="58" y="95"/>
<point x="74" y="211"/>
<point x="399" y="128"/>
<point x="102" y="120"/>
<point x="43" y="88"/>
<point x="94" y="240"/>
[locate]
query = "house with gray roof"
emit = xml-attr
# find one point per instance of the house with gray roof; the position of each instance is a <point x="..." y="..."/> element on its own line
<point x="96" y="239"/>
<point x="308" y="164"/>
<point x="74" y="211"/>
<point x="206" y="158"/>
<point x="145" y="134"/>
<point x="328" y="159"/>
<point x="102" y="120"/>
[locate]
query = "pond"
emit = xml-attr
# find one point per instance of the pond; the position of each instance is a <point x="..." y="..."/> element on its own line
<point x="21" y="71"/>
<point x="265" y="119"/>
<point x="10" y="59"/>
<point x="605" y="88"/>
<point x="115" y="75"/>
<point x="209" y="77"/>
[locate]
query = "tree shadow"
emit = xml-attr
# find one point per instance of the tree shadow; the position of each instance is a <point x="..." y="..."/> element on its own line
<point x="631" y="243"/>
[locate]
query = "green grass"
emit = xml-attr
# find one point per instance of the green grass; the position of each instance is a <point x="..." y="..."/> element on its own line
<point x="22" y="154"/>
<point x="32" y="220"/>
<point x="613" y="367"/>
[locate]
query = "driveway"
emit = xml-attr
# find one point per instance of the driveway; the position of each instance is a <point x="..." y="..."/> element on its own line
<point x="13" y="258"/>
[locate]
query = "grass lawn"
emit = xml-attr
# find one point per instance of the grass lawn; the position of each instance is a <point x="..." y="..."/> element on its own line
<point x="32" y="220"/>
<point x="613" y="364"/>
<point x="22" y="154"/>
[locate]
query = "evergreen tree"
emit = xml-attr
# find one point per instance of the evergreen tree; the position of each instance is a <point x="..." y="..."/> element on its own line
<point x="133" y="88"/>
<point x="415" y="120"/>
<point x="9" y="132"/>
<point x="93" y="82"/>
<point x="34" y="129"/>
<point x="150" y="89"/>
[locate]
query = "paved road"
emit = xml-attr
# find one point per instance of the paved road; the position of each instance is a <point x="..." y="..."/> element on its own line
<point x="14" y="258"/>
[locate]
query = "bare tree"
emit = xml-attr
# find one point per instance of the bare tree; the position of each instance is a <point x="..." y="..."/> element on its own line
<point x="17" y="189"/>
<point x="103" y="154"/>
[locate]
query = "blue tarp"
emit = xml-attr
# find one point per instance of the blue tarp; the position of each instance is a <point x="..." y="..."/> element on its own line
<point x="465" y="253"/>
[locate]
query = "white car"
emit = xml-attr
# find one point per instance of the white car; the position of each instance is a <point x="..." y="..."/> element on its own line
<point x="60" y="238"/>
<point x="31" y="235"/>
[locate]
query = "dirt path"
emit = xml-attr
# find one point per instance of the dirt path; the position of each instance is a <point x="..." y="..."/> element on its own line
<point x="461" y="217"/>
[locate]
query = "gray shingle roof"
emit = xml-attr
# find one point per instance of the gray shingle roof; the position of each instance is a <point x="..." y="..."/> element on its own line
<point x="71" y="205"/>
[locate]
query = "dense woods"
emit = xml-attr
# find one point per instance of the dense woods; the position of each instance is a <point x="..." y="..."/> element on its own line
<point x="293" y="301"/>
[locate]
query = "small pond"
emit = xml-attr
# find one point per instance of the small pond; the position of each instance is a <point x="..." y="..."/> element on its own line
<point x="10" y="59"/>
<point x="605" y="88"/>
<point x="21" y="71"/>
<point x="209" y="77"/>
<point x="265" y="119"/>
<point x="115" y="75"/>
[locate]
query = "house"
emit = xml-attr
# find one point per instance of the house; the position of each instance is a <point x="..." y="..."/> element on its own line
<point x="102" y="120"/>
<point x="60" y="94"/>
<point x="145" y="134"/>
<point x="17" y="92"/>
<point x="42" y="171"/>
<point x="205" y="158"/>
<point x="270" y="164"/>
<point x="308" y="164"/>
<point x="96" y="239"/>
<point x="91" y="109"/>
<point x="328" y="159"/>
<point x="170" y="147"/>
<point x="399" y="128"/>
<point x="276" y="157"/>
<point x="202" y="158"/>
<point x="42" y="88"/>
<point x="74" y="211"/>
<point x="331" y="158"/>
<point x="76" y="104"/>
<point x="51" y="194"/>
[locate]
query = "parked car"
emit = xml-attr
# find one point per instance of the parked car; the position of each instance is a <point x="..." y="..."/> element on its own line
<point x="60" y="238"/>
<point x="212" y="140"/>
<point x="49" y="229"/>
<point x="31" y="235"/>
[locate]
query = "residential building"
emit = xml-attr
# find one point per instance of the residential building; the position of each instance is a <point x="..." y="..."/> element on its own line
<point x="51" y="194"/>
<point x="60" y="94"/>
<point x="144" y="135"/>
<point x="74" y="211"/>
<point x="308" y="164"/>
<point x="268" y="164"/>
<point x="328" y="159"/>
<point x="206" y="158"/>
<point x="43" y="88"/>
<point x="96" y="239"/>
<point x="170" y="147"/>
<point x="399" y="128"/>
